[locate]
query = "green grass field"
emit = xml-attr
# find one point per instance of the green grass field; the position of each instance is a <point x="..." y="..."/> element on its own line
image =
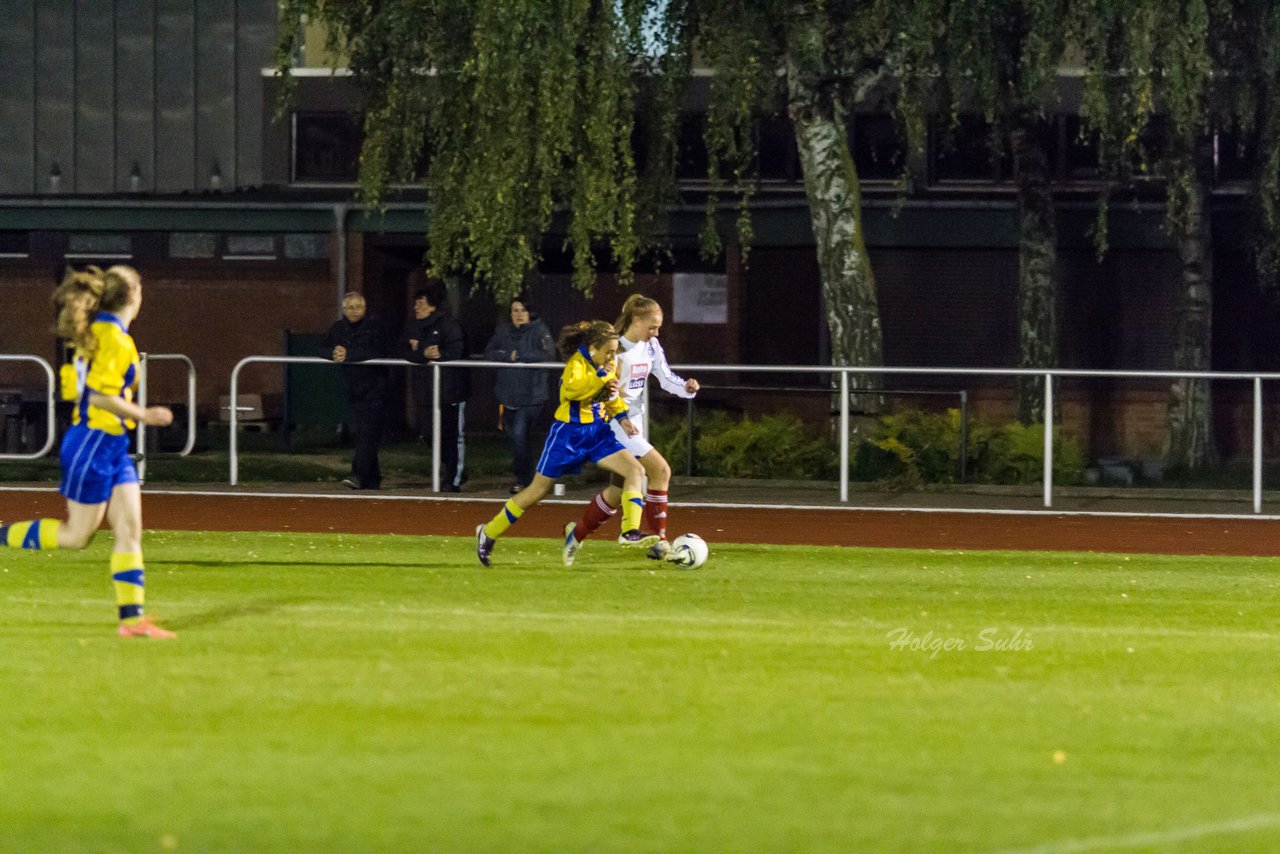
<point x="342" y="693"/>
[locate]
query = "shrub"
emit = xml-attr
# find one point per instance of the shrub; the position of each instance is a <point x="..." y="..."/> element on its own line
<point x="912" y="447"/>
<point x="771" y="446"/>
<point x="908" y="448"/>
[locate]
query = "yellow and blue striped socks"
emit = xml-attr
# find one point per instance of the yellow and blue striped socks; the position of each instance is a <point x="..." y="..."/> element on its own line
<point x="507" y="516"/>
<point x="127" y="579"/>
<point x="632" y="508"/>
<point x="40" y="534"/>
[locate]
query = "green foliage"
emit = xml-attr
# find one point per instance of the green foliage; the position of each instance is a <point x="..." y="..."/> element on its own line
<point x="772" y="446"/>
<point x="1201" y="64"/>
<point x="999" y="57"/>
<point x="522" y="109"/>
<point x="914" y="447"/>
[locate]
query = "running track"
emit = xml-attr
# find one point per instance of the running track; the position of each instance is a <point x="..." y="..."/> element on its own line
<point x="348" y="513"/>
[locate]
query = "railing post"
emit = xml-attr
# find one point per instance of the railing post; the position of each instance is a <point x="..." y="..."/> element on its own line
<point x="142" y="425"/>
<point x="233" y="449"/>
<point x="644" y="402"/>
<point x="688" y="438"/>
<point x="1257" y="444"/>
<point x="435" y="426"/>
<point x="844" y="435"/>
<point x="51" y="431"/>
<point x="1048" y="440"/>
<point x="964" y="435"/>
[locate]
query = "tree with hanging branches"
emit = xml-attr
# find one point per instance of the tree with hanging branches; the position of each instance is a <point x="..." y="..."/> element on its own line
<point x="817" y="60"/>
<point x="1202" y="65"/>
<point x="999" y="58"/>
<point x="510" y="112"/>
<point x="533" y="109"/>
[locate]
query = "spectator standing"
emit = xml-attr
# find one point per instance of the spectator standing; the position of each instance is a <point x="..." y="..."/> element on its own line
<point x="522" y="394"/>
<point x="433" y="335"/>
<point x="359" y="337"/>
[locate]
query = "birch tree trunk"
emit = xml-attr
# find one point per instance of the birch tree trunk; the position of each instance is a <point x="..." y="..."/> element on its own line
<point x="1189" y="443"/>
<point x="1037" y="272"/>
<point x="835" y="201"/>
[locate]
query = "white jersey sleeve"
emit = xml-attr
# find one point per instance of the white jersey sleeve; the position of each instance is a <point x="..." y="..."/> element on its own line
<point x="668" y="379"/>
<point x="635" y="364"/>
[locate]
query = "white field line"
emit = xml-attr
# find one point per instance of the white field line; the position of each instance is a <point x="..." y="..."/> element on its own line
<point x="714" y="505"/>
<point x="1153" y="838"/>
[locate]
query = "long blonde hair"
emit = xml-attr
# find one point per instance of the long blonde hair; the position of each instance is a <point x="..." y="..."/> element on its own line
<point x="83" y="293"/>
<point x="637" y="305"/>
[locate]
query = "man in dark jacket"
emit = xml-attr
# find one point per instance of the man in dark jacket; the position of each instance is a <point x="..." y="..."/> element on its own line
<point x="432" y="335"/>
<point x="523" y="393"/>
<point x="357" y="338"/>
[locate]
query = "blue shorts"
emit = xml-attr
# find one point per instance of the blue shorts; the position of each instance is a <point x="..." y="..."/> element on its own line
<point x="570" y="445"/>
<point x="93" y="464"/>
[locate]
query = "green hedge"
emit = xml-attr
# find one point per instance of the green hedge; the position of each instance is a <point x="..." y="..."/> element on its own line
<point x="907" y="448"/>
<point x="914" y="447"/>
<point x="780" y="447"/>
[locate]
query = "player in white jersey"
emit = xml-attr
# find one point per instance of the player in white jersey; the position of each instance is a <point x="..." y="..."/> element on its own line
<point x="640" y="356"/>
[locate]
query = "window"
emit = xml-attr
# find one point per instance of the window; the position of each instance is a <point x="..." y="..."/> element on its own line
<point x="195" y="244"/>
<point x="15" y="244"/>
<point x="1233" y="158"/>
<point x="326" y="147"/>
<point x="964" y="153"/>
<point x="879" y="152"/>
<point x="250" y="247"/>
<point x="691" y="148"/>
<point x="106" y="247"/>
<point x="776" y="149"/>
<point x="1081" y="151"/>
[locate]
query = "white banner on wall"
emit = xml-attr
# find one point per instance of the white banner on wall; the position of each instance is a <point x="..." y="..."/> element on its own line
<point x="700" y="298"/>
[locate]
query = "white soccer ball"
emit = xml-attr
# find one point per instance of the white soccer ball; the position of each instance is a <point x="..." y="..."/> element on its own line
<point x="688" y="551"/>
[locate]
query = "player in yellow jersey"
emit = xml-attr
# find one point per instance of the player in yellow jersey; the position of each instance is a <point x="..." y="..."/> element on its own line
<point x="99" y="478"/>
<point x="588" y="401"/>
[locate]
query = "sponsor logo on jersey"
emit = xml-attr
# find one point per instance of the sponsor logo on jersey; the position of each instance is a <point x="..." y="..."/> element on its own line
<point x="639" y="373"/>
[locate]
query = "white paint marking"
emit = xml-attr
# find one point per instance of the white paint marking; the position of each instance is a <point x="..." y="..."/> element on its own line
<point x="1156" y="837"/>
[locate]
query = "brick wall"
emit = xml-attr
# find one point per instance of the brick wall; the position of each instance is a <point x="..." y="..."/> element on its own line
<point x="215" y="315"/>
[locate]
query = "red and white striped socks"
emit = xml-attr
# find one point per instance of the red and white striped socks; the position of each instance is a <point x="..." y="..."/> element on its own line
<point x="655" y="512"/>
<point x="595" y="514"/>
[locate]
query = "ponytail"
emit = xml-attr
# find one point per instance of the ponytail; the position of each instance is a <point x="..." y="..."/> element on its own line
<point x="592" y="333"/>
<point x="637" y="305"/>
<point x="78" y="299"/>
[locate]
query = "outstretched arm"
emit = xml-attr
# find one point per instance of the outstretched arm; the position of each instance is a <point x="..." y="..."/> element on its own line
<point x="667" y="378"/>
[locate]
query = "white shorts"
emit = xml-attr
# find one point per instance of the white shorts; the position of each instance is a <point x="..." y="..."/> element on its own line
<point x="636" y="444"/>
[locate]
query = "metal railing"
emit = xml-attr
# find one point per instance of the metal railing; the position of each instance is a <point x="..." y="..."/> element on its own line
<point x="143" y="359"/>
<point x="841" y="375"/>
<point x="233" y="445"/>
<point x="1047" y="375"/>
<point x="50" y="423"/>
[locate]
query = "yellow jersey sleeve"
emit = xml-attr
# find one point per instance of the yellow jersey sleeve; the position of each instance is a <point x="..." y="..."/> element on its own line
<point x="615" y="406"/>
<point x="580" y="380"/>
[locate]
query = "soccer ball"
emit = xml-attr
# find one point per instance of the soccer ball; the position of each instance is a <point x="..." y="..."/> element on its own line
<point x="688" y="551"/>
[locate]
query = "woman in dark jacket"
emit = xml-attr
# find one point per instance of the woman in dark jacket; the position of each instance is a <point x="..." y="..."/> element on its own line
<point x="523" y="394"/>
<point x="432" y="335"/>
